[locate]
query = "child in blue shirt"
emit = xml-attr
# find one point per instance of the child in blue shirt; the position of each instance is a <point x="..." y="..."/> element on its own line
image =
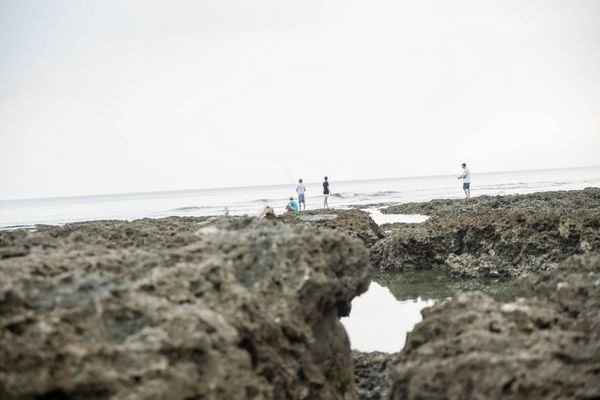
<point x="292" y="206"/>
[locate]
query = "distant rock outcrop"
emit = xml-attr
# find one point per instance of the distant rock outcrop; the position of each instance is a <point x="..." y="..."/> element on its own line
<point x="354" y="223"/>
<point x="532" y="233"/>
<point x="587" y="199"/>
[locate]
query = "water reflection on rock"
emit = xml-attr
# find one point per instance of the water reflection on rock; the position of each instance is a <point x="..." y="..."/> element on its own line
<point x="435" y="284"/>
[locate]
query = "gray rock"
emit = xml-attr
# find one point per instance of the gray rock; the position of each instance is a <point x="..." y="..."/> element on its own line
<point x="545" y="346"/>
<point x="317" y="218"/>
<point x="180" y="308"/>
<point x="508" y="242"/>
<point x="371" y="370"/>
<point x="354" y="223"/>
<point x="588" y="199"/>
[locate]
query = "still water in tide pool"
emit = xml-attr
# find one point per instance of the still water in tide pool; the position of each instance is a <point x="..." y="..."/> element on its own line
<point x="382" y="316"/>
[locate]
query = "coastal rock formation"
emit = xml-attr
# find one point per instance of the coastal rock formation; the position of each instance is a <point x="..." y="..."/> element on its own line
<point x="587" y="199"/>
<point x="543" y="346"/>
<point x="354" y="223"/>
<point x="372" y="374"/>
<point x="495" y="243"/>
<point x="179" y="308"/>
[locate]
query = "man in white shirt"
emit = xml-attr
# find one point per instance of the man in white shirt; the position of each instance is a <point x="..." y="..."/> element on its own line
<point x="466" y="176"/>
<point x="300" y="189"/>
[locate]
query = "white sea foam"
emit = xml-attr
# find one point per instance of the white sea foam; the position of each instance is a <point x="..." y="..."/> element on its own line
<point x="381" y="218"/>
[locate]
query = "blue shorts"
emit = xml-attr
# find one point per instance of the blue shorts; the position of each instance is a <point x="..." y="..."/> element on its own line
<point x="301" y="198"/>
<point x="466" y="185"/>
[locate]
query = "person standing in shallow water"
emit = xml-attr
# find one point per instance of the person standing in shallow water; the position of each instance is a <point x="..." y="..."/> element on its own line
<point x="300" y="189"/>
<point x="325" y="193"/>
<point x="466" y="177"/>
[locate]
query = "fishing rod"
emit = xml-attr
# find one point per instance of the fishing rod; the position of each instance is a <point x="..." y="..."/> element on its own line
<point x="287" y="171"/>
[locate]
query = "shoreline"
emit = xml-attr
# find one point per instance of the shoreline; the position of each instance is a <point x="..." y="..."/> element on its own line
<point x="388" y="213"/>
<point x="297" y="274"/>
<point x="249" y="200"/>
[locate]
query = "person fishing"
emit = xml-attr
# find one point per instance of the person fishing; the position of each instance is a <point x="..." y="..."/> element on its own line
<point x="325" y="193"/>
<point x="466" y="177"/>
<point x="301" y="189"/>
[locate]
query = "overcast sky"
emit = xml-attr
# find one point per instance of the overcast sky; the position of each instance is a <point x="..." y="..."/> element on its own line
<point x="127" y="96"/>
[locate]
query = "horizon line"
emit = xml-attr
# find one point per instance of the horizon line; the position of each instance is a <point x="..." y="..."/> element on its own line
<point x="275" y="184"/>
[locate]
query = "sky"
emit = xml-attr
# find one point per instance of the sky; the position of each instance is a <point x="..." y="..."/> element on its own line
<point x="130" y="96"/>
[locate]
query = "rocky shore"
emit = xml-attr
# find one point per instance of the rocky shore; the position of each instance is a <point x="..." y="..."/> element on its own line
<point x="587" y="199"/>
<point x="240" y="308"/>
<point x="179" y="308"/>
<point x="545" y="345"/>
<point x="354" y="223"/>
<point x="494" y="237"/>
<point x="541" y="344"/>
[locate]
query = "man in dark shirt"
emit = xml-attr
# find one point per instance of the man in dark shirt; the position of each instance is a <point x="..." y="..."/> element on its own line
<point x="325" y="193"/>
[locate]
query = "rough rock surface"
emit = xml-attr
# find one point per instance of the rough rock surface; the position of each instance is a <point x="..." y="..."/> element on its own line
<point x="372" y="373"/>
<point x="179" y="308"/>
<point x="546" y="346"/>
<point x="508" y="242"/>
<point x="354" y="222"/>
<point x="587" y="199"/>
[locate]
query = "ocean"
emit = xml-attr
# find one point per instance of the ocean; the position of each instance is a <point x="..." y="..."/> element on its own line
<point x="249" y="200"/>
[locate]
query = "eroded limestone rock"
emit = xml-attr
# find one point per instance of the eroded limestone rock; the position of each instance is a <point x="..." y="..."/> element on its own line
<point x="372" y="373"/>
<point x="546" y="345"/>
<point x="179" y="308"/>
<point x="496" y="243"/>
<point x="354" y="222"/>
